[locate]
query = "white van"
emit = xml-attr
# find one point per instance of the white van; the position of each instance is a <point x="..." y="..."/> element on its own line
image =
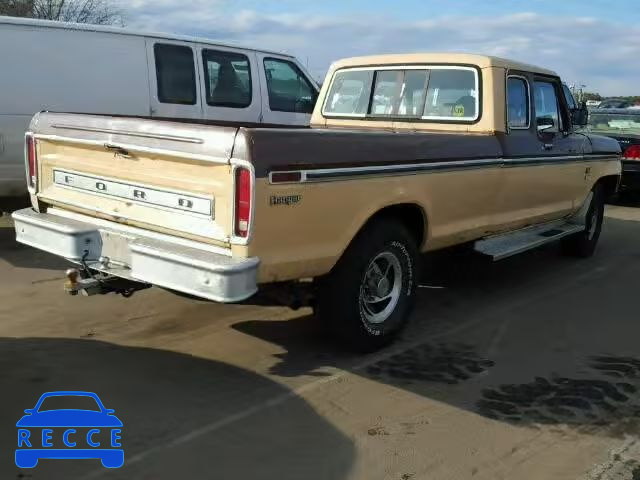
<point x="90" y="69"/>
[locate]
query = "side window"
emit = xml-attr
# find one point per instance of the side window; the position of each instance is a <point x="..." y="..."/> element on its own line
<point x="227" y="79"/>
<point x="517" y="103"/>
<point x="288" y="88"/>
<point x="571" y="102"/>
<point x="546" y="102"/>
<point x="349" y="93"/>
<point x="176" y="74"/>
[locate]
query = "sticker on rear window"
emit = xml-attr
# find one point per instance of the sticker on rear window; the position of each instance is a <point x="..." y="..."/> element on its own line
<point x="458" y="111"/>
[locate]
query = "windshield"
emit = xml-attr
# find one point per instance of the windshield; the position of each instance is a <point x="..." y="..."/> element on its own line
<point x="612" y="122"/>
<point x="69" y="402"/>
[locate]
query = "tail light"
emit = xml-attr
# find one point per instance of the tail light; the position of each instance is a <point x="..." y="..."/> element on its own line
<point x="632" y="153"/>
<point x="243" y="202"/>
<point x="31" y="161"/>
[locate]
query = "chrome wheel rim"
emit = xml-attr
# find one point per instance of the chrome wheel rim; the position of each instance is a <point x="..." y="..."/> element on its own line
<point x="381" y="287"/>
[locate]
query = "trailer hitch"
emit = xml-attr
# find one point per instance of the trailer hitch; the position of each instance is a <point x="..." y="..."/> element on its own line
<point x="88" y="283"/>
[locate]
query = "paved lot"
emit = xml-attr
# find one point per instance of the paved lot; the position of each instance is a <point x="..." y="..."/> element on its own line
<point x="525" y="369"/>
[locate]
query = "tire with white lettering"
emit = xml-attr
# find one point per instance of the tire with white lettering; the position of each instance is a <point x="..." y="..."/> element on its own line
<point x="583" y="244"/>
<point x="369" y="294"/>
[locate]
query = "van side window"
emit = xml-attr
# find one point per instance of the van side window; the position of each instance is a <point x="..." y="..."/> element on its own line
<point x="546" y="101"/>
<point x="289" y="90"/>
<point x="517" y="103"/>
<point x="176" y="74"/>
<point x="227" y="79"/>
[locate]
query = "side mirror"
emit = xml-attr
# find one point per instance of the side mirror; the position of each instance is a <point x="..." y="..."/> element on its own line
<point x="544" y="123"/>
<point x="29" y="411"/>
<point x="580" y="115"/>
<point x="109" y="411"/>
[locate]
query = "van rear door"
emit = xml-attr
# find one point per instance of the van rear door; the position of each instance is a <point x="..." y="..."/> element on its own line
<point x="174" y="88"/>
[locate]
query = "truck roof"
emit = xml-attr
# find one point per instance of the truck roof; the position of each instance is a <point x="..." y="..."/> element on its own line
<point x="482" y="61"/>
<point x="122" y="31"/>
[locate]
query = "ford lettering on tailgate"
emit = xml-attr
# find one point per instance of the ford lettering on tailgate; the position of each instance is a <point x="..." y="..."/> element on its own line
<point x="135" y="192"/>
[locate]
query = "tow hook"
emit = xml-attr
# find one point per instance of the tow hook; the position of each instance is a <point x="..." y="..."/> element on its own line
<point x="89" y="284"/>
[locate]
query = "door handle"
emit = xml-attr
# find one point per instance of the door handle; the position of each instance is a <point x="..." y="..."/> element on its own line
<point x="547" y="146"/>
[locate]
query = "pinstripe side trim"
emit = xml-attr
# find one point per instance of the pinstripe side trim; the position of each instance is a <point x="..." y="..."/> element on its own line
<point x="526" y="161"/>
<point x="334" y="174"/>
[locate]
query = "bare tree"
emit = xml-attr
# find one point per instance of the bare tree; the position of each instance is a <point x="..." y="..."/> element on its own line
<point x="16" y="8"/>
<point x="97" y="12"/>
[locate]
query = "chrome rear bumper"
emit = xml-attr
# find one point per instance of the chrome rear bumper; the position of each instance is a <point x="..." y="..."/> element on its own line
<point x="139" y="255"/>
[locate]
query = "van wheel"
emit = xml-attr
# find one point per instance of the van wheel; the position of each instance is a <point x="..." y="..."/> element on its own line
<point x="369" y="294"/>
<point x="583" y="244"/>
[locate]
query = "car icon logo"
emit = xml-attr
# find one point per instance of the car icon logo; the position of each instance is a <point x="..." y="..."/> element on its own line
<point x="87" y="431"/>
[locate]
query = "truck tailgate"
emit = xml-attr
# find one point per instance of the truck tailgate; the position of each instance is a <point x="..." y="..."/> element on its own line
<point x="169" y="177"/>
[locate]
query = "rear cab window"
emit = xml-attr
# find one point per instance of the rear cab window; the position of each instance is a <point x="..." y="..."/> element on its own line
<point x="399" y="93"/>
<point x="349" y="94"/>
<point x="430" y="93"/>
<point x="287" y="87"/>
<point x="175" y="73"/>
<point x="452" y="95"/>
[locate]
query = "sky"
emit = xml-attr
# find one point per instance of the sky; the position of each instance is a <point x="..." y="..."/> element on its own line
<point x="588" y="42"/>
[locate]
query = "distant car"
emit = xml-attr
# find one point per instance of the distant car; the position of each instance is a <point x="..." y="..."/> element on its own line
<point x="623" y="124"/>
<point x="42" y="431"/>
<point x="615" y="103"/>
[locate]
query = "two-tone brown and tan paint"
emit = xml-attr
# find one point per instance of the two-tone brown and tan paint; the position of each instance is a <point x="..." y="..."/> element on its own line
<point x="467" y="180"/>
<point x="306" y="239"/>
<point x="167" y="156"/>
<point x="460" y="182"/>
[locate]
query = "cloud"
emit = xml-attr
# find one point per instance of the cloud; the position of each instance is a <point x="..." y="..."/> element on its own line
<point x="584" y="50"/>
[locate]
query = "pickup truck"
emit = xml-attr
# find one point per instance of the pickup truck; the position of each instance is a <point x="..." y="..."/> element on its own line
<point x="405" y="154"/>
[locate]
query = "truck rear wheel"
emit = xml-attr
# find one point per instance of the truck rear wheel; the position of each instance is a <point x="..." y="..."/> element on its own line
<point x="583" y="244"/>
<point x="368" y="296"/>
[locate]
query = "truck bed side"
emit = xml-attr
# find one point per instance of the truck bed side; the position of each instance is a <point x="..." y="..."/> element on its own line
<point x="302" y="226"/>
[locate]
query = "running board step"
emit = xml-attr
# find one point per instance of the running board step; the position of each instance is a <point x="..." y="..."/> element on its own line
<point x="512" y="243"/>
